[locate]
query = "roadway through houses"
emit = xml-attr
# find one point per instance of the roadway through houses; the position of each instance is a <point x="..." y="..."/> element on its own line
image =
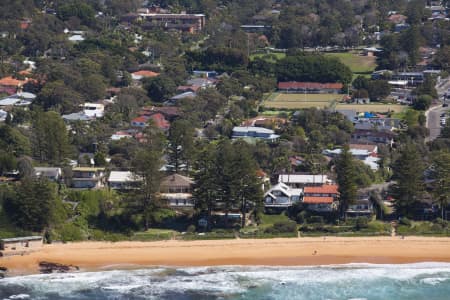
<point x="433" y="114"/>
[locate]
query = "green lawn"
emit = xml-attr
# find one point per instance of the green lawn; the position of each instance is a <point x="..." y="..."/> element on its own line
<point x="154" y="234"/>
<point x="272" y="57"/>
<point x="357" y="63"/>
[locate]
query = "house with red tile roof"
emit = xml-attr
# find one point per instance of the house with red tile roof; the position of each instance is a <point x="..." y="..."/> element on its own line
<point x="140" y="122"/>
<point x="322" y="198"/>
<point x="397" y="18"/>
<point x="169" y="112"/>
<point x="143" y="74"/>
<point x="158" y="119"/>
<point x="10" y="85"/>
<point x="188" y="88"/>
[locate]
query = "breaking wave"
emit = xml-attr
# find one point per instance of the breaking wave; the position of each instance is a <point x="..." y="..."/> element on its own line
<point x="350" y="281"/>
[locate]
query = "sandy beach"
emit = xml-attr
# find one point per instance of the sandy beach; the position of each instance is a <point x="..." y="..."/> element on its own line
<point x="269" y="252"/>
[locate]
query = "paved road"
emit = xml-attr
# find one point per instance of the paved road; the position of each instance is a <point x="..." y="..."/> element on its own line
<point x="434" y="113"/>
<point x="433" y="121"/>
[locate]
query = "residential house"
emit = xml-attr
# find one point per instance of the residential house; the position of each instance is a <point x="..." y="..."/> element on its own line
<point x="282" y="196"/>
<point x="185" y="95"/>
<point x="296" y="161"/>
<point x="176" y="190"/>
<point x="322" y="198"/>
<point x="76" y="38"/>
<point x="205" y="74"/>
<point x="310" y="87"/>
<point x="140" y="122"/>
<point x="75" y="117"/>
<point x="373" y="136"/>
<point x="139" y="75"/>
<point x="191" y="23"/>
<point x="10" y="85"/>
<point x="188" y="88"/>
<point x="123" y="180"/>
<point x="302" y="180"/>
<point x="397" y="18"/>
<point x="362" y="207"/>
<point x="202" y="82"/>
<point x="376" y="123"/>
<point x="52" y="174"/>
<point x="267" y="122"/>
<point x="88" y="177"/>
<point x="118" y="135"/>
<point x="158" y="119"/>
<point x="170" y="112"/>
<point x="368" y="153"/>
<point x="94" y="110"/>
<point x="254" y="133"/>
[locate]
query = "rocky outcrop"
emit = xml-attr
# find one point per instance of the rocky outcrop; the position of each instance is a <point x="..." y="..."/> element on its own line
<point x="46" y="267"/>
<point x="3" y="271"/>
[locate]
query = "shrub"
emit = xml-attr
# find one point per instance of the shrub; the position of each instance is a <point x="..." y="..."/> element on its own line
<point x="191" y="229"/>
<point x="301" y="217"/>
<point x="315" y="220"/>
<point x="282" y="227"/>
<point x="442" y="223"/>
<point x="361" y="222"/>
<point x="70" y="232"/>
<point x="405" y="221"/>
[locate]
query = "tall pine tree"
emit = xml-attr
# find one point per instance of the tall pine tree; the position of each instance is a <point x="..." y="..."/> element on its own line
<point x="441" y="184"/>
<point x="408" y="176"/>
<point x="346" y="179"/>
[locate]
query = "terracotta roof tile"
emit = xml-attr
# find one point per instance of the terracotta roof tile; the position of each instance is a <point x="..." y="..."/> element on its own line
<point x="324" y="189"/>
<point x="317" y="200"/>
<point x="145" y="73"/>
<point x="10" y="81"/>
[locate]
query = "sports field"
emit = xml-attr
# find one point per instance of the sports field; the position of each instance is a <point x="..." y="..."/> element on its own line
<point x="299" y="101"/>
<point x="357" y="63"/>
<point x="295" y="101"/>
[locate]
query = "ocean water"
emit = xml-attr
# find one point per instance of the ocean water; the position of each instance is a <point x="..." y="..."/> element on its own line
<point x="351" y="281"/>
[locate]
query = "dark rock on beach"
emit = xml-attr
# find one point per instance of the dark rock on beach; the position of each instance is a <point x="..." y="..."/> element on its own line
<point x="49" y="267"/>
<point x="3" y="271"/>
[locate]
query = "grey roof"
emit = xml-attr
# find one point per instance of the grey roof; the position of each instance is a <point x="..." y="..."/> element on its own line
<point x="184" y="95"/>
<point x="25" y="238"/>
<point x="252" y="128"/>
<point x="47" y="171"/>
<point x="200" y="81"/>
<point x="76" y="117"/>
<point x="9" y="101"/>
<point x="123" y="176"/>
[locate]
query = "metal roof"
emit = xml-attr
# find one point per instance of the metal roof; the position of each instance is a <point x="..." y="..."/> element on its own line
<point x="25" y="238"/>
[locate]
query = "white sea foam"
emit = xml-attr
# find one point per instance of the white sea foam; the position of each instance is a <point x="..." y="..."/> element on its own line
<point x="283" y="281"/>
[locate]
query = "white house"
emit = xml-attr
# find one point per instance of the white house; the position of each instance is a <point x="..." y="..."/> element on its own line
<point x="123" y="180"/>
<point x="53" y="174"/>
<point x="366" y="153"/>
<point x="302" y="180"/>
<point x="88" y="177"/>
<point x="94" y="110"/>
<point x="281" y="195"/>
<point x="254" y="132"/>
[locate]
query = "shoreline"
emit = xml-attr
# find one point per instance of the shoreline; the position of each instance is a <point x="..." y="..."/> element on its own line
<point x="305" y="251"/>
